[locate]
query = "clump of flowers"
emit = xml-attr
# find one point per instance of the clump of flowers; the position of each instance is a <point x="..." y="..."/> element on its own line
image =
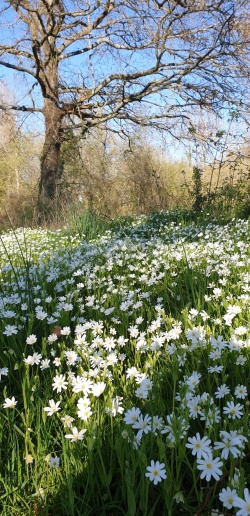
<point x="130" y="347"/>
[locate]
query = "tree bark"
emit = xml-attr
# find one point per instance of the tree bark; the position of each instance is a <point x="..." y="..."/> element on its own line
<point x="51" y="171"/>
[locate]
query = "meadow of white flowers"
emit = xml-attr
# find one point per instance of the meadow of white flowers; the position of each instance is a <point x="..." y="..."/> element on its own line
<point x="124" y="370"/>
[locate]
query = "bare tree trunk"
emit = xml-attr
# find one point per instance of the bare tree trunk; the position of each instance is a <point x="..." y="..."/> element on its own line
<point x="51" y="171"/>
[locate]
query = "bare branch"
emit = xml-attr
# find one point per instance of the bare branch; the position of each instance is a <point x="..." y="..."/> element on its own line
<point x="27" y="109"/>
<point x="17" y="68"/>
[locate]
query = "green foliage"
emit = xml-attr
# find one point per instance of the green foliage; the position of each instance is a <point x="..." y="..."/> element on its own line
<point x="89" y="224"/>
<point x="232" y="199"/>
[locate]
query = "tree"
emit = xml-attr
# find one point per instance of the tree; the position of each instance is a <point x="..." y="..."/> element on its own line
<point x="102" y="62"/>
<point x="18" y="157"/>
<point x="7" y="118"/>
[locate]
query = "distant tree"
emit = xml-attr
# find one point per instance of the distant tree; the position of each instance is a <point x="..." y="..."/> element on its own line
<point x="18" y="155"/>
<point x="7" y="117"/>
<point x="93" y="62"/>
